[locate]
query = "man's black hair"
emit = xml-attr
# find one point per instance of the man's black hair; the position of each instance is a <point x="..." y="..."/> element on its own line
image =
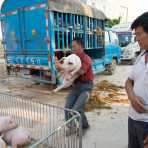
<point x="79" y="41"/>
<point x="141" y="21"/>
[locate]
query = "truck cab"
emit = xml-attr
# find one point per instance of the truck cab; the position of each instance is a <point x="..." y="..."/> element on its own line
<point x="131" y="51"/>
<point x="129" y="46"/>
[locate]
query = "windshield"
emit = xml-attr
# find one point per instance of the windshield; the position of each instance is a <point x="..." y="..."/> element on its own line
<point x="124" y="38"/>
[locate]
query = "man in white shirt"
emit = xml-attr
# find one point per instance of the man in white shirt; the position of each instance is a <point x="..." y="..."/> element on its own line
<point x="137" y="88"/>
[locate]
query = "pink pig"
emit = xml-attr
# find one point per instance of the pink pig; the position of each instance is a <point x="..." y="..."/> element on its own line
<point x="71" y="65"/>
<point x="7" y="123"/>
<point x="17" y="137"/>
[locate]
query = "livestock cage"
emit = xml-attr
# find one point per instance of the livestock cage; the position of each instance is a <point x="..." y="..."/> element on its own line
<point x="45" y="122"/>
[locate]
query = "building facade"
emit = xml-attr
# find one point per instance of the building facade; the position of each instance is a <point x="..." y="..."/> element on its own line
<point x="124" y="9"/>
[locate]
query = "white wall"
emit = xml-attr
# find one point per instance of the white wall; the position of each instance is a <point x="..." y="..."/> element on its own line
<point x="116" y="8"/>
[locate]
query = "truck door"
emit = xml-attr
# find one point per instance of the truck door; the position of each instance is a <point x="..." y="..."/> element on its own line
<point x="12" y="37"/>
<point x="35" y="36"/>
<point x="25" y="36"/>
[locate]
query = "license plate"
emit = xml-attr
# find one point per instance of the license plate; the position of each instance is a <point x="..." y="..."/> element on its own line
<point x="25" y="71"/>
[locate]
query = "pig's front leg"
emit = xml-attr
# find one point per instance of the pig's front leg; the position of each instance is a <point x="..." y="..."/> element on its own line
<point x="58" y="88"/>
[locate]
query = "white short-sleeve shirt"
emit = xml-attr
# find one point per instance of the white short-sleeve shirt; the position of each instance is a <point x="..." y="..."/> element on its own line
<point x="139" y="75"/>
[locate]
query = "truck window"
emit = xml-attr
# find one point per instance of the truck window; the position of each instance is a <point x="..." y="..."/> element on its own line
<point x="124" y="38"/>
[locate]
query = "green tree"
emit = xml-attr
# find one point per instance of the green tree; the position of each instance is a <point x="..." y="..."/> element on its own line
<point x="112" y="22"/>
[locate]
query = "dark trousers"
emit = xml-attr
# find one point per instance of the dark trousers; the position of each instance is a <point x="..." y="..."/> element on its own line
<point x="77" y="99"/>
<point x="137" y="131"/>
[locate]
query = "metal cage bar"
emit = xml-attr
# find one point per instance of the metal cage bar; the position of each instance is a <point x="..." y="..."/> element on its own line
<point x="46" y="122"/>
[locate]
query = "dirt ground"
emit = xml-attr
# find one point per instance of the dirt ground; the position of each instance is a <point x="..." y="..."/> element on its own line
<point x="108" y="126"/>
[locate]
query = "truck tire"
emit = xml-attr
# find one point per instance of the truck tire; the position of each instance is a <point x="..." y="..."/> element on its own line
<point x="111" y="67"/>
<point x="8" y="70"/>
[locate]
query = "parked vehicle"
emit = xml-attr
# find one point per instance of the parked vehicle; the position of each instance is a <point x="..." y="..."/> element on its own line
<point x="112" y="50"/>
<point x="35" y="31"/>
<point x="130" y="47"/>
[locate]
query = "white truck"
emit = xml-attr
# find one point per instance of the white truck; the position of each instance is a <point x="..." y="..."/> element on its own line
<point x="129" y="46"/>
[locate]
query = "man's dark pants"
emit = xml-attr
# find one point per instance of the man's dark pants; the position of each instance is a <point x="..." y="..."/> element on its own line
<point x="137" y="131"/>
<point x="77" y="99"/>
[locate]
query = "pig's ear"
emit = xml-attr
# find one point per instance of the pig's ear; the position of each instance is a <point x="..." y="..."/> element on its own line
<point x="11" y="120"/>
<point x="62" y="60"/>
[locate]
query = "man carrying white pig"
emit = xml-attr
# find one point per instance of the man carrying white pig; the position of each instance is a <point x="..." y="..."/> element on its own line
<point x="82" y="86"/>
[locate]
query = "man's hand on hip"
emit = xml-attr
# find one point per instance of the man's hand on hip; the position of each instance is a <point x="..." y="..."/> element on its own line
<point x="137" y="104"/>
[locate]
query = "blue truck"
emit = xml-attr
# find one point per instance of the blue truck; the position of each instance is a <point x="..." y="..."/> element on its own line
<point x="35" y="31"/>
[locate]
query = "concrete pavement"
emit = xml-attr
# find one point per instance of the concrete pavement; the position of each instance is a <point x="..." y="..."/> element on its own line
<point x="108" y="128"/>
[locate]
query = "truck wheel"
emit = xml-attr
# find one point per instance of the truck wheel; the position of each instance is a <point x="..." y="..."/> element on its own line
<point x="111" y="67"/>
<point x="8" y="69"/>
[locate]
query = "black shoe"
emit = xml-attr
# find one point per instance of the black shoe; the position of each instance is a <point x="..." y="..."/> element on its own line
<point x="84" y="130"/>
<point x="86" y="127"/>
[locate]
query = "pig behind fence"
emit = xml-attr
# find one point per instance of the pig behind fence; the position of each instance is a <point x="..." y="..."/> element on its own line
<point x="70" y="65"/>
<point x="17" y="137"/>
<point x="7" y="123"/>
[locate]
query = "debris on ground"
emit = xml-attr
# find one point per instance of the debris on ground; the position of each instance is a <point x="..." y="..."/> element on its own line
<point x="105" y="94"/>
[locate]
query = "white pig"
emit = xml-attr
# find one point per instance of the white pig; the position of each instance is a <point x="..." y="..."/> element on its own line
<point x="17" y="137"/>
<point x="71" y="65"/>
<point x="2" y="143"/>
<point x="7" y="123"/>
